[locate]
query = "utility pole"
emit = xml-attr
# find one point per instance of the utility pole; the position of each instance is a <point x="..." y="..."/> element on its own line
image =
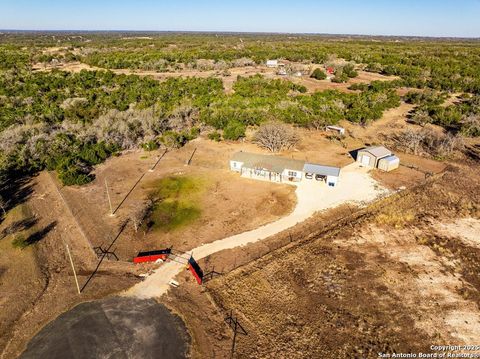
<point x="109" y="199"/>
<point x="237" y="328"/>
<point x="158" y="160"/>
<point x="73" y="267"/>
<point x="189" y="161"/>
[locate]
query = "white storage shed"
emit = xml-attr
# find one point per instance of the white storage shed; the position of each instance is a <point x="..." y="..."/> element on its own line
<point x="389" y="163"/>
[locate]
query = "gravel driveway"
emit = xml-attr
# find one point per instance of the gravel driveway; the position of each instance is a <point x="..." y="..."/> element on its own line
<point x="355" y="186"/>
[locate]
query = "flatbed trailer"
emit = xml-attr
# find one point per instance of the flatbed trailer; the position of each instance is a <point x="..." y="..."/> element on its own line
<point x="173" y="255"/>
<point x="152" y="256"/>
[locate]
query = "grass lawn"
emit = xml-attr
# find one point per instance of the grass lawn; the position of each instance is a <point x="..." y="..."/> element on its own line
<point x="176" y="202"/>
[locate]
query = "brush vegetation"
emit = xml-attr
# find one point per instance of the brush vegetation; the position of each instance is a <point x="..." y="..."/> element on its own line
<point x="70" y="122"/>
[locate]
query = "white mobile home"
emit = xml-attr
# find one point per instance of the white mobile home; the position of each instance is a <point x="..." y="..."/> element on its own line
<point x="280" y="169"/>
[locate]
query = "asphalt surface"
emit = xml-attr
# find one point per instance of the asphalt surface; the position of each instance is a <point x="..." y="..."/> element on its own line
<point x="117" y="327"/>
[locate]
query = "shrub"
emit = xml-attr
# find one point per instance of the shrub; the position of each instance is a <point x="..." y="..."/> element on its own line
<point x="215" y="136"/>
<point x="318" y="74"/>
<point x="340" y="78"/>
<point x="150" y="145"/>
<point x="234" y="130"/>
<point x="428" y="142"/>
<point x="349" y="71"/>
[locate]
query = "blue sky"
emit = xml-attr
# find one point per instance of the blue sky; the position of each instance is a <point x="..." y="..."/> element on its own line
<point x="373" y="17"/>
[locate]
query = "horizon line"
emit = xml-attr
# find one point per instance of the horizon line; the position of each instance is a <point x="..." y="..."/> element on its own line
<point x="242" y="32"/>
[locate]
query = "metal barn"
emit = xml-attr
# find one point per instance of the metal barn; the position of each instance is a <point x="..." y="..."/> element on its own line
<point x="370" y="156"/>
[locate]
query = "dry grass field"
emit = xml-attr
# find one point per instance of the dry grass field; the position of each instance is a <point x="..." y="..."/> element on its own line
<point x="396" y="276"/>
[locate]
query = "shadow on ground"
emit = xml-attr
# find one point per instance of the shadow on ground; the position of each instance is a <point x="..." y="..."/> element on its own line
<point x="14" y="191"/>
<point x="39" y="235"/>
<point x="18" y="226"/>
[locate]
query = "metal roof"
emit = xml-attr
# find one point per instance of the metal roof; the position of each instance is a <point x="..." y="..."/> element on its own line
<point x="391" y="159"/>
<point x="321" y="170"/>
<point x="377" y="151"/>
<point x="271" y="163"/>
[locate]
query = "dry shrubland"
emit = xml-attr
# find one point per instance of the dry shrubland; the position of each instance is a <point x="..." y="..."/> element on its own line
<point x="428" y="142"/>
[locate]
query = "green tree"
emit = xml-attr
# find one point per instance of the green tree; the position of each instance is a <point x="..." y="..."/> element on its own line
<point x="318" y="74"/>
<point x="234" y="130"/>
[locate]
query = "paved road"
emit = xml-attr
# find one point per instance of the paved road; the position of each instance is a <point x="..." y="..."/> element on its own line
<point x="355" y="186"/>
<point x="120" y="328"/>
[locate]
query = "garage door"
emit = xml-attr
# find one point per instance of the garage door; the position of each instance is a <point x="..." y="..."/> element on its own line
<point x="365" y="160"/>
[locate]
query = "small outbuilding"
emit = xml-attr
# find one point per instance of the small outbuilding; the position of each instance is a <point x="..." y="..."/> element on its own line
<point x="339" y="130"/>
<point x="389" y="163"/>
<point x="370" y="156"/>
<point x="272" y="63"/>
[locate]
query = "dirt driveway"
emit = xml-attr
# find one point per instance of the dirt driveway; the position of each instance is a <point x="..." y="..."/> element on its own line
<point x="355" y="185"/>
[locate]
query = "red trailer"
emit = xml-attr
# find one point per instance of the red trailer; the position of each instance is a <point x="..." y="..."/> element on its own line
<point x="196" y="270"/>
<point x="152" y="256"/>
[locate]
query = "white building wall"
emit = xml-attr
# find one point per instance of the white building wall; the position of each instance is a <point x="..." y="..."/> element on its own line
<point x="236" y="166"/>
<point x="332" y="179"/>
<point x="272" y="63"/>
<point x="297" y="175"/>
<point x="362" y="158"/>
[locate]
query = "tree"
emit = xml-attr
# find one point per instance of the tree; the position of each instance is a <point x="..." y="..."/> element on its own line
<point x="350" y="71"/>
<point x="318" y="74"/>
<point x="276" y="136"/>
<point x="234" y="130"/>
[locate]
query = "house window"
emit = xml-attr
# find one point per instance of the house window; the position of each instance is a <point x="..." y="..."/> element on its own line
<point x="292" y="173"/>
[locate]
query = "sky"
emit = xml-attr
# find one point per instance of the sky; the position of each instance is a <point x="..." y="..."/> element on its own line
<point x="450" y="18"/>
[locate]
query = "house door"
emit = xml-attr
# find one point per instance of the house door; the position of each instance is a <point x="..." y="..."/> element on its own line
<point x="365" y="160"/>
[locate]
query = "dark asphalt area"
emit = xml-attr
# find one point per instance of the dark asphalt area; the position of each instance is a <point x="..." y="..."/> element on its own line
<point x="112" y="328"/>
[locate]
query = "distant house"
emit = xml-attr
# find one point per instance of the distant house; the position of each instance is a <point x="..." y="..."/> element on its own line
<point x="272" y="63"/>
<point x="378" y="157"/>
<point x="280" y="169"/>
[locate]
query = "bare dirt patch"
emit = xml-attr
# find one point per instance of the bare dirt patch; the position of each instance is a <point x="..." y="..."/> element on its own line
<point x="467" y="229"/>
<point x="392" y="121"/>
